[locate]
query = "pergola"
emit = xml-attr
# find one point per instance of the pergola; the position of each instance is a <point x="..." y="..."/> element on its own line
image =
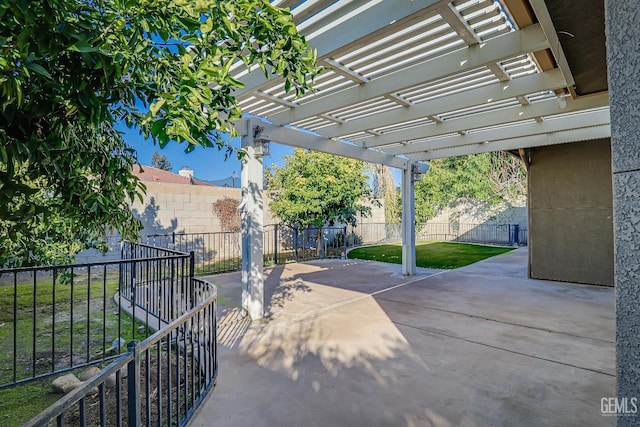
<point x="414" y="80"/>
<point x="410" y="81"/>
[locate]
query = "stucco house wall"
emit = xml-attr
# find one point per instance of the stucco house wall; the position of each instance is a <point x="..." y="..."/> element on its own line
<point x="571" y="213"/>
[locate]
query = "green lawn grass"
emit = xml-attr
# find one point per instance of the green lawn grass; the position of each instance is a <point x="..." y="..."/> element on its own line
<point x="20" y="403"/>
<point x="443" y="255"/>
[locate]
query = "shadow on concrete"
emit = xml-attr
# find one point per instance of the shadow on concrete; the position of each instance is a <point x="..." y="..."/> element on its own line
<point x="232" y="325"/>
<point x="279" y="290"/>
<point x="352" y="343"/>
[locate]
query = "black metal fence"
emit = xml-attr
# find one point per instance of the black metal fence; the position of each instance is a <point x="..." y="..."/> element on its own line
<point x="284" y="244"/>
<point x="213" y="252"/>
<point x="156" y="283"/>
<point x="159" y="381"/>
<point x="58" y="318"/>
<point x="61" y="318"/>
<point x="502" y="234"/>
<point x="220" y="252"/>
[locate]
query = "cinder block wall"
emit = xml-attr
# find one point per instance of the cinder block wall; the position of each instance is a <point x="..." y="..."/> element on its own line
<point x="184" y="208"/>
<point x="181" y="208"/>
<point x="570" y="213"/>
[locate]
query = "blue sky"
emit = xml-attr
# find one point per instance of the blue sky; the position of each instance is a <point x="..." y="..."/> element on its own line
<point x="207" y="163"/>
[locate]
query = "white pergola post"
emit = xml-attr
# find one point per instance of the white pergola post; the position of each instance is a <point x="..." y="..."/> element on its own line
<point x="252" y="227"/>
<point x="408" y="222"/>
<point x="254" y="133"/>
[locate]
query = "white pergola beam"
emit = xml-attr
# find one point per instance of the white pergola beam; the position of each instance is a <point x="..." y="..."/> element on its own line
<point x="347" y="31"/>
<point x="275" y="99"/>
<point x="295" y="138"/>
<point x="564" y="137"/>
<point x="494" y="118"/>
<point x="305" y="9"/>
<point x="498" y="71"/>
<point x="516" y="43"/>
<point x="338" y="68"/>
<point x="542" y="13"/>
<point x="455" y="20"/>
<point x="589" y="119"/>
<point x="549" y="80"/>
<point x="595" y="118"/>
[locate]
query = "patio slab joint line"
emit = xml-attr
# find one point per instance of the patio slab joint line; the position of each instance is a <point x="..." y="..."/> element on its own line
<point x="350" y="301"/>
<point x="503" y="349"/>
<point x="427" y="307"/>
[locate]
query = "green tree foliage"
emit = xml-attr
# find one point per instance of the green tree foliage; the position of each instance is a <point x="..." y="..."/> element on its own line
<point x="490" y="177"/>
<point x="71" y="70"/>
<point x="160" y="161"/>
<point x="313" y="189"/>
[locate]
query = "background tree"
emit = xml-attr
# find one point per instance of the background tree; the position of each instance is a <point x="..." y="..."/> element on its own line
<point x="314" y="189"/>
<point x="70" y="70"/>
<point x="490" y="177"/>
<point x="160" y="161"/>
<point x="508" y="176"/>
<point x="388" y="191"/>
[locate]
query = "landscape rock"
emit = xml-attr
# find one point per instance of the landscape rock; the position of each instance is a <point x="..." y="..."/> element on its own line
<point x="110" y="382"/>
<point x="65" y="383"/>
<point x="111" y="351"/>
<point x="89" y="373"/>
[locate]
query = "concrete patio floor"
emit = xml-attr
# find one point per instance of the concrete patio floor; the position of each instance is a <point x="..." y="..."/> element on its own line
<point x="354" y="343"/>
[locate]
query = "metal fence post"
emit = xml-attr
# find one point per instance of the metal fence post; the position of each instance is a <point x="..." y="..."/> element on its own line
<point x="121" y="272"/>
<point x="192" y="294"/>
<point x="344" y="252"/>
<point x="295" y="243"/>
<point x="132" y="286"/>
<point x="133" y="385"/>
<point x="275" y="244"/>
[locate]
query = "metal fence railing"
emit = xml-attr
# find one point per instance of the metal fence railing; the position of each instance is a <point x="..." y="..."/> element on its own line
<point x="159" y="381"/>
<point x="503" y="234"/>
<point x="506" y="234"/>
<point x="213" y="252"/>
<point x="284" y="244"/>
<point x="220" y="252"/>
<point x="57" y="319"/>
<point x="156" y="282"/>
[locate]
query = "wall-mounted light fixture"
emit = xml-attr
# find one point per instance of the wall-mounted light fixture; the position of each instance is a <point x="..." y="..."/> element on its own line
<point x="561" y="101"/>
<point x="263" y="148"/>
<point x="261" y="142"/>
<point x="417" y="170"/>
